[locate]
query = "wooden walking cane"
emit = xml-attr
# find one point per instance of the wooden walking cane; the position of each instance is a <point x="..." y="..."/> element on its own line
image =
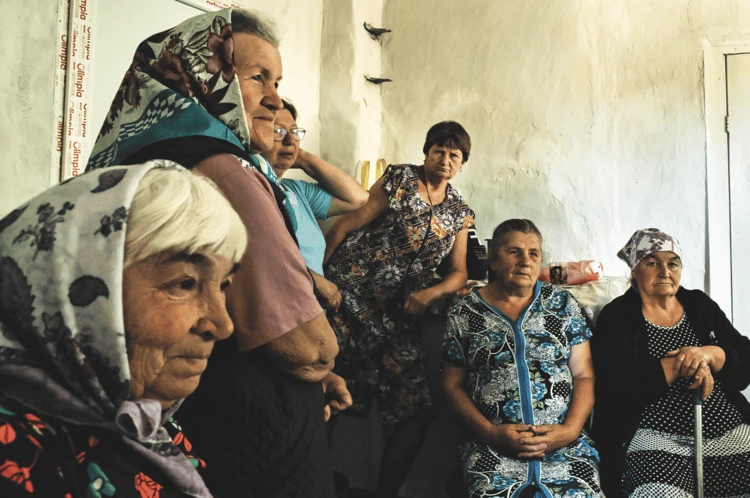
<point x="698" y="426"/>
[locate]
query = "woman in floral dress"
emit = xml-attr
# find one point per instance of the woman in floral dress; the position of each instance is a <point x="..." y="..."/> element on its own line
<point x="382" y="257"/>
<point x="518" y="375"/>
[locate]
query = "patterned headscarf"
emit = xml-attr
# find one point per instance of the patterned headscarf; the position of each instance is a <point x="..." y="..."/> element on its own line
<point x="647" y="241"/>
<point x="182" y="80"/>
<point x="182" y="83"/>
<point x="62" y="336"/>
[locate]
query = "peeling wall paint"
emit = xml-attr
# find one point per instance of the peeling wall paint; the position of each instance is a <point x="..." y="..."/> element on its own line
<point x="586" y="116"/>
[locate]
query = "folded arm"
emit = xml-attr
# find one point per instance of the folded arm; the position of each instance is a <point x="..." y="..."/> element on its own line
<point x="455" y="280"/>
<point x="348" y="195"/>
<point x="271" y="300"/>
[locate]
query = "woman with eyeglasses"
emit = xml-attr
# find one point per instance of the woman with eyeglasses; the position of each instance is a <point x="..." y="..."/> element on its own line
<point x="335" y="193"/>
<point x="653" y="349"/>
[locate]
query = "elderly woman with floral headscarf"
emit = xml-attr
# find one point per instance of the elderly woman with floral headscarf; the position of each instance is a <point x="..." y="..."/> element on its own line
<point x="652" y="347"/>
<point x="111" y="299"/>
<point x="204" y="94"/>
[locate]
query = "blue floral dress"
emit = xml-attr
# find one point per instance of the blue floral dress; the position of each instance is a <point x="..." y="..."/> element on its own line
<point x="518" y="373"/>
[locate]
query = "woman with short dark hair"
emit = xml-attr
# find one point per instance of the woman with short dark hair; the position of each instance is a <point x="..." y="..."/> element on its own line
<point x="382" y="258"/>
<point x="518" y="375"/>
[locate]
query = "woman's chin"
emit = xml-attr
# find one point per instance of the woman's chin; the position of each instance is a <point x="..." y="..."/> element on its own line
<point x="285" y="162"/>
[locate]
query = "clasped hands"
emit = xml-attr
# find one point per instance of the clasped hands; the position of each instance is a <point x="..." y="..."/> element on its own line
<point x="527" y="441"/>
<point x="694" y="362"/>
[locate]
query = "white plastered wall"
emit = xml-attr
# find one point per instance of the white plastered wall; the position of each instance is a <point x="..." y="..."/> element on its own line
<point x="350" y="107"/>
<point x="586" y="116"/>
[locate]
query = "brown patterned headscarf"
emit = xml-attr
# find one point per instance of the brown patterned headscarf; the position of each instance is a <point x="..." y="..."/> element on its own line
<point x="645" y="242"/>
<point x="181" y="83"/>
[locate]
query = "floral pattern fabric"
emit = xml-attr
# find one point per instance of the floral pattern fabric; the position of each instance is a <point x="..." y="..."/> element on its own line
<point x="375" y="269"/>
<point x="518" y="373"/>
<point x="645" y="242"/>
<point x="181" y="82"/>
<point x="52" y="460"/>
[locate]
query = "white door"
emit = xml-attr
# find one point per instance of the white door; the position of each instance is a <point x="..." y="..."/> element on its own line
<point x="738" y="110"/>
<point x="738" y="131"/>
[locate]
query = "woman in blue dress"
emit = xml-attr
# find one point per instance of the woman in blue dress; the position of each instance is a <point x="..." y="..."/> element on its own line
<point x="518" y="375"/>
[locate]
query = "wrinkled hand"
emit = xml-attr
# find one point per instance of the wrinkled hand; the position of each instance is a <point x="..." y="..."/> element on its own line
<point x="328" y="294"/>
<point x="337" y="394"/>
<point x="508" y="440"/>
<point x="704" y="382"/>
<point x="689" y="359"/>
<point x="553" y="436"/>
<point x="417" y="302"/>
<point x="466" y="288"/>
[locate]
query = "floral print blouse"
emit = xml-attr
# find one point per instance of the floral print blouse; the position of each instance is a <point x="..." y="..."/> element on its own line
<point x="55" y="460"/>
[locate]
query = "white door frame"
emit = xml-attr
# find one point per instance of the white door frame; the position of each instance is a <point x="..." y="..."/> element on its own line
<point x="719" y="263"/>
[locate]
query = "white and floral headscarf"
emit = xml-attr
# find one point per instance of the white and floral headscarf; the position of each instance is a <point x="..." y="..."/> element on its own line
<point x="62" y="334"/>
<point x="647" y="241"/>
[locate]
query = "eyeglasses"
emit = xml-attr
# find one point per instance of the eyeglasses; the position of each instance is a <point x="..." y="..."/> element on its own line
<point x="297" y="134"/>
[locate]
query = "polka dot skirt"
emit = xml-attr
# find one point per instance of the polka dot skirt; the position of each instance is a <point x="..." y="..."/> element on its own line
<point x="660" y="460"/>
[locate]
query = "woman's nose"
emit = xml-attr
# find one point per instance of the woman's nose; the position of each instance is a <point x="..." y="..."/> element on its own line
<point x="272" y="98"/>
<point x="217" y="321"/>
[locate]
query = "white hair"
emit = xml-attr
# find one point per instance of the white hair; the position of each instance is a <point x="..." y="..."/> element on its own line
<point x="177" y="211"/>
<point x="252" y="23"/>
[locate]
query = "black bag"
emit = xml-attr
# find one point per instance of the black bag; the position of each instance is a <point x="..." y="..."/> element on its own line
<point x="476" y="258"/>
